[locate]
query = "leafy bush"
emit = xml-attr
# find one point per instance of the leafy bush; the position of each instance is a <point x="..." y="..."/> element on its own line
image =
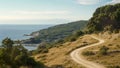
<point x="57" y="66"/>
<point x="87" y="53"/>
<point x="45" y="51"/>
<point x="74" y="36"/>
<point x="113" y="66"/>
<point x="72" y="39"/>
<point x="103" y="50"/>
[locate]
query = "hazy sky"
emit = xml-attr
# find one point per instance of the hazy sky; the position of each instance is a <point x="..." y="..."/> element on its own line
<point x="48" y="11"/>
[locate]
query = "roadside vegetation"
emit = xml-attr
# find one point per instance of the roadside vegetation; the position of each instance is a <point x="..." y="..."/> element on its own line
<point x="88" y="53"/>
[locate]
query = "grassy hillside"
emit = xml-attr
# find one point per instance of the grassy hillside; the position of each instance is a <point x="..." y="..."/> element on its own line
<point x="56" y="33"/>
<point x="59" y="56"/>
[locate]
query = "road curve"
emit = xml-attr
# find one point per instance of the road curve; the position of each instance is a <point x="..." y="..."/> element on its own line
<point x="76" y="55"/>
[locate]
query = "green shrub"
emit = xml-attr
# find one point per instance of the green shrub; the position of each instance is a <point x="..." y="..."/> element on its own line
<point x="113" y="66"/>
<point x="45" y="51"/>
<point x="103" y="50"/>
<point x="72" y="39"/>
<point x="88" y="53"/>
<point x="57" y="66"/>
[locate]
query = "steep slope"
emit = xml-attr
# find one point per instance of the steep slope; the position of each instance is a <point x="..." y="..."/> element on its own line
<point x="105" y="18"/>
<point x="56" y="33"/>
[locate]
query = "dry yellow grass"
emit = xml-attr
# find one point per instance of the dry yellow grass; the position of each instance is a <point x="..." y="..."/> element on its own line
<point x="113" y="57"/>
<point x="59" y="55"/>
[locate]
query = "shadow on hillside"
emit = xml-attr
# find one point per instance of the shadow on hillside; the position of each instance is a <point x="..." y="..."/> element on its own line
<point x="56" y="66"/>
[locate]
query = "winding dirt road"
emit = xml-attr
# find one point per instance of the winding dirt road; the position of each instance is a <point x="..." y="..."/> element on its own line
<point x="76" y="55"/>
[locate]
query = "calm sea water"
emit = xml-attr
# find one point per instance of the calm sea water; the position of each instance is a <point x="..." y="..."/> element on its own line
<point x="16" y="32"/>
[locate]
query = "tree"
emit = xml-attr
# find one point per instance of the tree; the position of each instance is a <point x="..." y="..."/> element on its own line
<point x="16" y="56"/>
<point x="7" y="43"/>
<point x="78" y="33"/>
<point x="4" y="58"/>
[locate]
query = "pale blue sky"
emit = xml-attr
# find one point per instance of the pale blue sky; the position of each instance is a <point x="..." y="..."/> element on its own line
<point x="48" y="11"/>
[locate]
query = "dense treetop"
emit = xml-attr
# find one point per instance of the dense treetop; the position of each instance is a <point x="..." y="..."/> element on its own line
<point x="105" y="18"/>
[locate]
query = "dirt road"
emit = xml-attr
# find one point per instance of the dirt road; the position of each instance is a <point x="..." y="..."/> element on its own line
<point x="76" y="55"/>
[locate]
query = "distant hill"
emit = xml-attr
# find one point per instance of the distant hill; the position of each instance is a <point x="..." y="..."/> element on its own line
<point x="56" y="33"/>
<point x="106" y="18"/>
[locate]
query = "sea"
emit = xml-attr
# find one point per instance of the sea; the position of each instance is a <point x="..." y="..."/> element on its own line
<point x="16" y="32"/>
